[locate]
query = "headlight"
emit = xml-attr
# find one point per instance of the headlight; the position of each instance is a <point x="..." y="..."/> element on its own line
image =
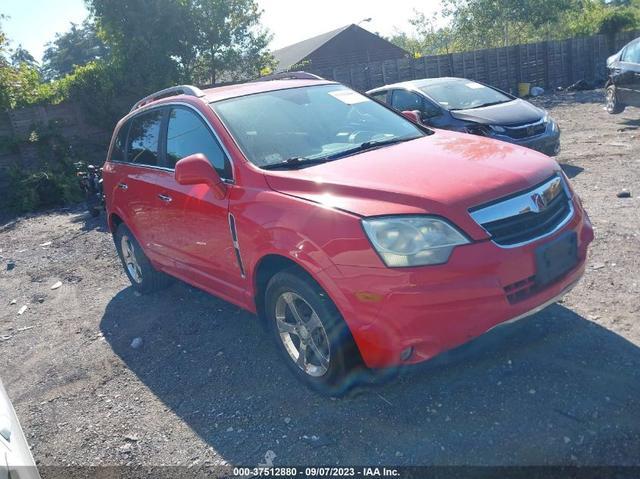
<point x="412" y="240"/>
<point x="547" y="119"/>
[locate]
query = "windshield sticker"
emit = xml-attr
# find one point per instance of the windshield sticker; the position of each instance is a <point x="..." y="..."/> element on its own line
<point x="349" y="97"/>
<point x="474" y="85"/>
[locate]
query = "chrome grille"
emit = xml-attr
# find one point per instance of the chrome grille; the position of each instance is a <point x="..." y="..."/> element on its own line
<point x="526" y="216"/>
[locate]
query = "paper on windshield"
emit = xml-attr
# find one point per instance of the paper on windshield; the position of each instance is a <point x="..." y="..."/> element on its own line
<point x="474" y="85"/>
<point x="349" y="97"/>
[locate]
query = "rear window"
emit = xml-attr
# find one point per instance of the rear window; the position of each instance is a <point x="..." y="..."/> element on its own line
<point x="119" y="144"/>
<point x="144" y="134"/>
<point x="463" y="94"/>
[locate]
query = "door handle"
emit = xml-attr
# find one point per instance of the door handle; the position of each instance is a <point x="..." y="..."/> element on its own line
<point x="122" y="186"/>
<point x="165" y="198"/>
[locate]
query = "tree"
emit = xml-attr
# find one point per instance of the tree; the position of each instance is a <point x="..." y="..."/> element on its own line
<point x="77" y="47"/>
<point x="156" y="43"/>
<point x="230" y="44"/>
<point x="21" y="55"/>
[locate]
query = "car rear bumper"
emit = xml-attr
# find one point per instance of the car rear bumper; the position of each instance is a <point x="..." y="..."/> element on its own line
<point x="402" y="316"/>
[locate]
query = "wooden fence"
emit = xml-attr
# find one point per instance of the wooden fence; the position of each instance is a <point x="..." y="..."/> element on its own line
<point x="549" y="64"/>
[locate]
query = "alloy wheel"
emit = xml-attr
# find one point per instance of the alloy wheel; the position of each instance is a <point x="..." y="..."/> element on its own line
<point x="611" y="100"/>
<point x="130" y="259"/>
<point x="302" y="334"/>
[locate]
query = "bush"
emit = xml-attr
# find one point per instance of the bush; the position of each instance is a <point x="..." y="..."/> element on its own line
<point x="52" y="185"/>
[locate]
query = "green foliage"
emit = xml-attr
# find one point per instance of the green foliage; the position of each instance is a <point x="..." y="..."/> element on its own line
<point x="474" y="24"/>
<point x="53" y="184"/>
<point x="21" y="55"/>
<point x="77" y="47"/>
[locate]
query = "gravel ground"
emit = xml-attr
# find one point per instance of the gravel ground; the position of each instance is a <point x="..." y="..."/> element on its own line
<point x="206" y="387"/>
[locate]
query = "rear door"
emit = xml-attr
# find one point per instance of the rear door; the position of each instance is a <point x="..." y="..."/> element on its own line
<point x="197" y="230"/>
<point x="142" y="173"/>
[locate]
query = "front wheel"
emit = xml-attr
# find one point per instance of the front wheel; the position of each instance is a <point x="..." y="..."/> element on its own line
<point x="613" y="106"/>
<point x="310" y="333"/>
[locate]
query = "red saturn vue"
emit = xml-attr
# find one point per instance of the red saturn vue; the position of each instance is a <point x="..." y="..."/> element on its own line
<point x="359" y="237"/>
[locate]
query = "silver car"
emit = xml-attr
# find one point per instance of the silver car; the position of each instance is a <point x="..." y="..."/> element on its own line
<point x="16" y="461"/>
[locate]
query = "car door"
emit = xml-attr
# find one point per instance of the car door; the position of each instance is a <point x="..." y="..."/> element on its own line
<point x="196" y="223"/>
<point x="138" y="181"/>
<point x="628" y="78"/>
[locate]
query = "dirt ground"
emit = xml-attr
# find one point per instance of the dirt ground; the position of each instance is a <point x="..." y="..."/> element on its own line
<point x="206" y="387"/>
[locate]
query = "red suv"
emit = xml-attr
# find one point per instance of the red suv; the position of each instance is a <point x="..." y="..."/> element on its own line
<point x="358" y="236"/>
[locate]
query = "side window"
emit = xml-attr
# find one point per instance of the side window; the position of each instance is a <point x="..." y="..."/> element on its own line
<point x="380" y="96"/>
<point x="144" y="135"/>
<point x="118" y="153"/>
<point x="188" y="134"/>
<point x="430" y="110"/>
<point x="404" y="100"/>
<point x="632" y="53"/>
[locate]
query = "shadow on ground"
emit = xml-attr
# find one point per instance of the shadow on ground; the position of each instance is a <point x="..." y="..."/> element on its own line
<point x="551" y="389"/>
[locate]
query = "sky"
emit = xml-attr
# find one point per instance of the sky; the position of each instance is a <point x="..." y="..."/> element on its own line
<point x="33" y="23"/>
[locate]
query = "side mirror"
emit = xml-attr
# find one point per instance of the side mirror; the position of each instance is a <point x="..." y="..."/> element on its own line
<point x="413" y="115"/>
<point x="196" y="170"/>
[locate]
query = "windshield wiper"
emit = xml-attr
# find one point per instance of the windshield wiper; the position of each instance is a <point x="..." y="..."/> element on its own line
<point x="294" y="162"/>
<point x="369" y="145"/>
<point x="483" y="105"/>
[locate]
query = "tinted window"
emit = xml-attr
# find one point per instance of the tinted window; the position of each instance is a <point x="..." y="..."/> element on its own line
<point x="463" y="94"/>
<point x="380" y="96"/>
<point x="143" y="138"/>
<point x="404" y="100"/>
<point x="118" y="151"/>
<point x="187" y="134"/>
<point x="632" y="53"/>
<point x="311" y="123"/>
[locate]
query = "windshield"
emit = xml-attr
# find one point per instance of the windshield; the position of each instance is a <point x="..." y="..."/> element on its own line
<point x="463" y="94"/>
<point x="310" y="123"/>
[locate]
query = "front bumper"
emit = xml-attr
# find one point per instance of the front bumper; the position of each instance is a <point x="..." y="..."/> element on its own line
<point x="547" y="142"/>
<point x="437" y="308"/>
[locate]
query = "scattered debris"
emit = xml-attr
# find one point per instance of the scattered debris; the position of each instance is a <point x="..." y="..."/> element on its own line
<point x="48" y="243"/>
<point x="597" y="265"/>
<point x="131" y="438"/>
<point x="57" y="285"/>
<point x="13" y="301"/>
<point x="624" y="194"/>
<point x="136" y="343"/>
<point x="537" y="91"/>
<point x="287" y="420"/>
<point x="580" y="85"/>
<point x="22" y="310"/>
<point x="10" y="265"/>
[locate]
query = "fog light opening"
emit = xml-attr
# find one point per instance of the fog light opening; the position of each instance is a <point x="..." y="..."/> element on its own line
<point x="406" y="354"/>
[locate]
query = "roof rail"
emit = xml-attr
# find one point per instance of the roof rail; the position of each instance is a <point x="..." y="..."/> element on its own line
<point x="171" y="91"/>
<point x="289" y="76"/>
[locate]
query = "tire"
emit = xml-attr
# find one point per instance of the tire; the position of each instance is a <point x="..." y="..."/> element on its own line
<point x="143" y="276"/>
<point x="331" y="365"/>
<point x="613" y="106"/>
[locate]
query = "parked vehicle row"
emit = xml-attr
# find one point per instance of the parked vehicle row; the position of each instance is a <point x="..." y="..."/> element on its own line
<point x="356" y="235"/>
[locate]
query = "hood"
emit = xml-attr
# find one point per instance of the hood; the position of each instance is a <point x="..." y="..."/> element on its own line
<point x="443" y="174"/>
<point x="516" y="112"/>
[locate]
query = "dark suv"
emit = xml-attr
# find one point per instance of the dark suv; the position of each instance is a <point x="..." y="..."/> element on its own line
<point x="623" y="87"/>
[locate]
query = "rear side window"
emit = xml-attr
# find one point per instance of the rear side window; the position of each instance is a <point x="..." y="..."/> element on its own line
<point x="118" y="153"/>
<point x="187" y="134"/>
<point x="632" y="53"/>
<point x="404" y="100"/>
<point x="380" y="96"/>
<point x="144" y="135"/>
